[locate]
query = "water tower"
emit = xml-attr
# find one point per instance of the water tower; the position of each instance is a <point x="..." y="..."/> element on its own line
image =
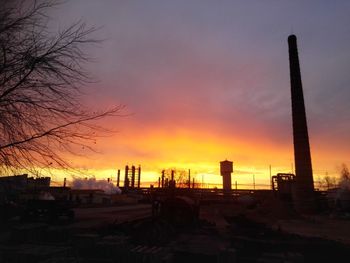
<point x="226" y="168"/>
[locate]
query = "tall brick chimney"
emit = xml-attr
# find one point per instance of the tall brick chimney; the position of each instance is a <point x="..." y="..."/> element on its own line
<point x="304" y="187"/>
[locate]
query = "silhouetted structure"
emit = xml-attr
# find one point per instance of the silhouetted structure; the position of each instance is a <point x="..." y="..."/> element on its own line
<point x="172" y="182"/>
<point x="138" y="176"/>
<point x="118" y="177"/>
<point x="163" y="177"/>
<point x="226" y="168"/>
<point x="133" y="176"/>
<point x="126" y="177"/>
<point x="130" y="179"/>
<point x="23" y="182"/>
<point x="282" y="185"/>
<point x="304" y="188"/>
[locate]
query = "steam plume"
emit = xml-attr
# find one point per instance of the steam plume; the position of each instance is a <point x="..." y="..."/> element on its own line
<point x="92" y="183"/>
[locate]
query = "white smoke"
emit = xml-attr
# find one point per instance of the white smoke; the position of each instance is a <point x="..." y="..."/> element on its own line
<point x="92" y="183"/>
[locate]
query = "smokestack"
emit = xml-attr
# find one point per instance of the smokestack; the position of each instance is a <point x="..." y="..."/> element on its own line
<point x="189" y="178"/>
<point x="118" y="177"/>
<point x="304" y="189"/>
<point x="126" y="179"/>
<point x="172" y="175"/>
<point x="172" y="181"/>
<point x="64" y="182"/>
<point x="139" y="176"/>
<point x="132" y="176"/>
<point x="163" y="178"/>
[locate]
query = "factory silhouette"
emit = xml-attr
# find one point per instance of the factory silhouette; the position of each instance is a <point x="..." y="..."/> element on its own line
<point x="177" y="221"/>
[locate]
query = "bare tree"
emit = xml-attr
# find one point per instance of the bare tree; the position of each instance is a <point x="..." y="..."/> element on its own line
<point x="180" y="177"/>
<point x="344" y="173"/>
<point x="329" y="182"/>
<point x="344" y="181"/>
<point x="41" y="81"/>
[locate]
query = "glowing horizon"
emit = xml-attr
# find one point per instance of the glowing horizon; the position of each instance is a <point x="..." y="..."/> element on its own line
<point x="202" y="159"/>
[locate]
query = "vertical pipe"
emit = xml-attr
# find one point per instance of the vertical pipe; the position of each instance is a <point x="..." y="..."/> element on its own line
<point x="172" y="181"/>
<point x="118" y="177"/>
<point x="163" y="178"/>
<point x="126" y="178"/>
<point x="133" y="176"/>
<point x="139" y="176"/>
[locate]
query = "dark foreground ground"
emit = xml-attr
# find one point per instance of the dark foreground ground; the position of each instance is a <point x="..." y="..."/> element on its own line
<point x="225" y="232"/>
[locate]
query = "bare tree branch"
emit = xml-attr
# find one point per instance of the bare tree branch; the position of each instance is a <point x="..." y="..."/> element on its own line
<point x="41" y="81"/>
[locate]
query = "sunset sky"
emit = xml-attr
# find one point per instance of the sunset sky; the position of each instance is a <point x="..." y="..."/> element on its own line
<point x="204" y="81"/>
